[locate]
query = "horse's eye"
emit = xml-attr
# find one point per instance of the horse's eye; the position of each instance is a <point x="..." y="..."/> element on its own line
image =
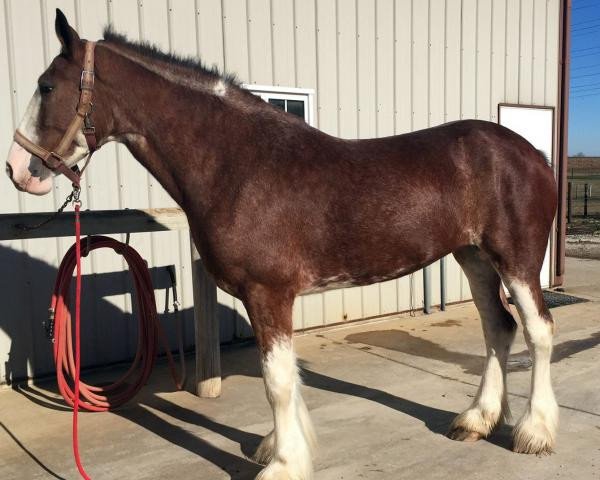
<point x="45" y="88"/>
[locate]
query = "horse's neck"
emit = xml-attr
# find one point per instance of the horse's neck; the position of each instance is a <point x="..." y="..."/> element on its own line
<point x="173" y="131"/>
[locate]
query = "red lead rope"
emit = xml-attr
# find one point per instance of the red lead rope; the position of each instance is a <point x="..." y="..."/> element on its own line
<point x="68" y="359"/>
<point x="77" y="343"/>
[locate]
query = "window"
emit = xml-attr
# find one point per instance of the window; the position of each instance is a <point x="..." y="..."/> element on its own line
<point x="297" y="101"/>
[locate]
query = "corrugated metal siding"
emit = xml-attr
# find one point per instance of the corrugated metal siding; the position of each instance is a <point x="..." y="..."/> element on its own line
<point x="377" y="67"/>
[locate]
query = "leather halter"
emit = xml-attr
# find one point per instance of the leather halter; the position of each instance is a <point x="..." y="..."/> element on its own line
<point x="53" y="159"/>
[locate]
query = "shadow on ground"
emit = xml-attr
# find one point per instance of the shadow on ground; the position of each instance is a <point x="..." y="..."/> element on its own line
<point x="403" y="341"/>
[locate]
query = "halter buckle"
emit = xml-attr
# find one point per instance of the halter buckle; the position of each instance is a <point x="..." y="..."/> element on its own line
<point x="55" y="162"/>
<point x="88" y="127"/>
<point x="87" y="80"/>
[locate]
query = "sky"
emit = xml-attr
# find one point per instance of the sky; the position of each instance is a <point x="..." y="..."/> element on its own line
<point x="584" y="95"/>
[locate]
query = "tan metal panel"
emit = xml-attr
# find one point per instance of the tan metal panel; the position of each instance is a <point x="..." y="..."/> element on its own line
<point x="306" y="48"/>
<point x="420" y="65"/>
<point x="526" y="52"/>
<point x="498" y="56"/>
<point x="453" y="280"/>
<point x="453" y="60"/>
<point x="367" y="113"/>
<point x="552" y="52"/>
<point x="469" y="59"/>
<point x="355" y="58"/>
<point x="353" y="303"/>
<point x="388" y="300"/>
<point x="347" y="71"/>
<point x="312" y="310"/>
<point x="385" y="67"/>
<point x="284" y="58"/>
<point x="183" y="41"/>
<point x="235" y="37"/>
<point x="209" y="29"/>
<point x="182" y="27"/>
<point x="51" y="47"/>
<point x="403" y="62"/>
<point x="125" y="17"/>
<point x="327" y="66"/>
<point x="484" y="59"/>
<point x="28" y="43"/>
<point x="8" y="115"/>
<point x="371" y="300"/>
<point x="539" y="52"/>
<point x="28" y="49"/>
<point x="405" y="301"/>
<point x="513" y="22"/>
<point x="111" y="322"/>
<point x="385" y="115"/>
<point x="16" y="331"/>
<point x="437" y="57"/>
<point x="259" y="42"/>
<point x="333" y="306"/>
<point x="436" y="291"/>
<point x="156" y="25"/>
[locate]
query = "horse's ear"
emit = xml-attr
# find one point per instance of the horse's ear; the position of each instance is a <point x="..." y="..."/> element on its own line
<point x="65" y="33"/>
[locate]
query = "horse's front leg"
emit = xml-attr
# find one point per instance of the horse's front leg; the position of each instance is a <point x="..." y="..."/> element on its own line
<point x="288" y="448"/>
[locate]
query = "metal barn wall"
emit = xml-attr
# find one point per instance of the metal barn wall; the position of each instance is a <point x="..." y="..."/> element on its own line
<point x="377" y="67"/>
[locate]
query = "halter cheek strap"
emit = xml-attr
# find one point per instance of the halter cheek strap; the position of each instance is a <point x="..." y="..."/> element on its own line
<point x="53" y="159"/>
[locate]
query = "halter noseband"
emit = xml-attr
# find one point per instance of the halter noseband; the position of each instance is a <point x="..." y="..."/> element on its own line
<point x="54" y="159"/>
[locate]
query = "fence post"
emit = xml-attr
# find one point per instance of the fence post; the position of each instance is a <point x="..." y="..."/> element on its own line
<point x="443" y="283"/>
<point x="208" y="355"/>
<point x="585" y="200"/>
<point x="427" y="289"/>
<point x="569" y="202"/>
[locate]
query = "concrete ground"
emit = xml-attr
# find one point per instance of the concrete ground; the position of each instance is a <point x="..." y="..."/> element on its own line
<point x="381" y="395"/>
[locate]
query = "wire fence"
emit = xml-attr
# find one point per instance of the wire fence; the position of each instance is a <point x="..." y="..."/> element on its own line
<point x="583" y="199"/>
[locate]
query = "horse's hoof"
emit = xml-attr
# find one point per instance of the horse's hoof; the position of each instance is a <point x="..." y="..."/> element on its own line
<point x="265" y="451"/>
<point x="462" y="435"/>
<point x="532" y="439"/>
<point x="280" y="471"/>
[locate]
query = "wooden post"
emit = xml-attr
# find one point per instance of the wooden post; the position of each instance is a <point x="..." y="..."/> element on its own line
<point x="585" y="200"/>
<point x="208" y="355"/>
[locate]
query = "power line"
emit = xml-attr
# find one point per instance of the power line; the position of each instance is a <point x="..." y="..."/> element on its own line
<point x="585" y="86"/>
<point x="585" y="96"/>
<point x="586" y="91"/>
<point x="585" y="21"/>
<point x="585" y="55"/>
<point x="585" y="66"/>
<point x="583" y="76"/>
<point x="585" y="49"/>
<point x="585" y="28"/>
<point x="581" y="34"/>
<point x="585" y="6"/>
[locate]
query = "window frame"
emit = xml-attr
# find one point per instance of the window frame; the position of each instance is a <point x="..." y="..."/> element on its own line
<point x="267" y="92"/>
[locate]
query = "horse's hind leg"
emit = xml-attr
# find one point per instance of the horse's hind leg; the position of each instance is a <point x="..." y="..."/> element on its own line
<point x="536" y="430"/>
<point x="288" y="448"/>
<point x="499" y="327"/>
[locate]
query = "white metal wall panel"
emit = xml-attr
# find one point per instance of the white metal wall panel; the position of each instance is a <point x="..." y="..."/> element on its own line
<point x="259" y="42"/>
<point x="282" y="35"/>
<point x="377" y="68"/>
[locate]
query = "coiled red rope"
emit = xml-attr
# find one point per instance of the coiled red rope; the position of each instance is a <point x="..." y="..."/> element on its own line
<point x="68" y="360"/>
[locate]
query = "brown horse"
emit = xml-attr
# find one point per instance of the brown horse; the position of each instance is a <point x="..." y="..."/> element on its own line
<point x="278" y="208"/>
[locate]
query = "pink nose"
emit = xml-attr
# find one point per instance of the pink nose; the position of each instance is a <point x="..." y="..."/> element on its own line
<point x="20" y="170"/>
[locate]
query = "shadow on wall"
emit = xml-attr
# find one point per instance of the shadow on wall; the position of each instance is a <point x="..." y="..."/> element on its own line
<point x="109" y="332"/>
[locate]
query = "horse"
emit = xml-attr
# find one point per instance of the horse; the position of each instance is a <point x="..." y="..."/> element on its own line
<point x="278" y="208"/>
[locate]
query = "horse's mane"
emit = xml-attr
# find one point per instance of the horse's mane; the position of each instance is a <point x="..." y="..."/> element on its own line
<point x="150" y="50"/>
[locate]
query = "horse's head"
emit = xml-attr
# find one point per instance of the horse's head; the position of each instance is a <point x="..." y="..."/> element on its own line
<point x="50" y="113"/>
